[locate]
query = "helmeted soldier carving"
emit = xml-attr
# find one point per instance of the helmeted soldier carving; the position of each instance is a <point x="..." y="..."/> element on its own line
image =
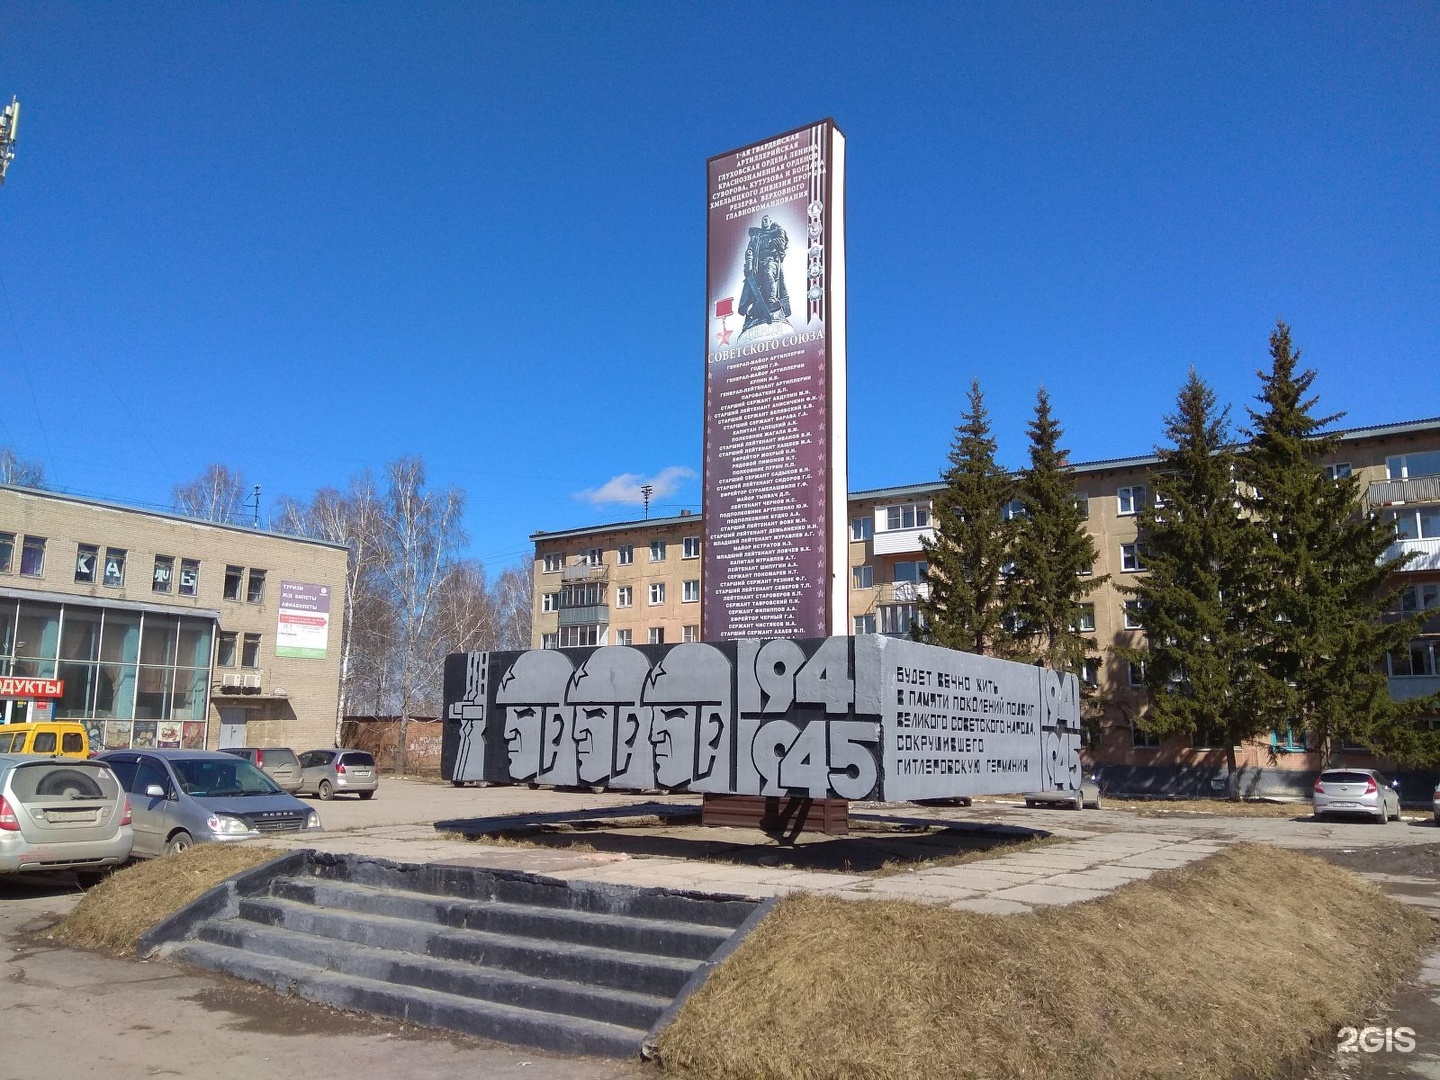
<point x="764" y="298"/>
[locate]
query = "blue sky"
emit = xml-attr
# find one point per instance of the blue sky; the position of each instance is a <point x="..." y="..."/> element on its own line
<point x="304" y="239"/>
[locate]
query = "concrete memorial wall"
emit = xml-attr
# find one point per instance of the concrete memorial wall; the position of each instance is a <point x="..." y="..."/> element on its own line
<point x="867" y="717"/>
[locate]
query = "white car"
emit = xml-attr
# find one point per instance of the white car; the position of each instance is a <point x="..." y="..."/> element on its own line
<point x="1356" y="791"/>
<point x="1087" y="797"/>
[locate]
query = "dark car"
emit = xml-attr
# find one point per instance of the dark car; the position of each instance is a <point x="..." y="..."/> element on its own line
<point x="184" y="797"/>
<point x="278" y="762"/>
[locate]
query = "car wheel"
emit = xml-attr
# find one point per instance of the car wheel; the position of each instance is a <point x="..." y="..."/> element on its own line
<point x="366" y="794"/>
<point x="1096" y="804"/>
<point x="324" y="790"/>
<point x="69" y="784"/>
<point x="457" y="783"/>
<point x="1079" y="801"/>
<point x="1031" y="804"/>
<point x="181" y="841"/>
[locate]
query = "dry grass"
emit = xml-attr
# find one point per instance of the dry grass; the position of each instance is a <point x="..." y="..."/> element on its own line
<point x="114" y="914"/>
<point x="1216" y="807"/>
<point x="1225" y="968"/>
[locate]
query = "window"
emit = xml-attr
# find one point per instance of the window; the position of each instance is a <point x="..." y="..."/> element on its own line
<point x="1132" y="558"/>
<point x="864" y="624"/>
<point x="592" y="557"/>
<point x="1420" y="657"/>
<point x="32" y="557"/>
<point x="550" y="601"/>
<point x="908" y="516"/>
<point x="234" y="575"/>
<point x="7" y="551"/>
<point x="657" y="635"/>
<point x="255" y="586"/>
<point x="1289" y="741"/>
<point x="250" y="651"/>
<point x="862" y="528"/>
<point x="1084" y="621"/>
<point x="1142" y="739"/>
<point x="622" y="637"/>
<point x="690" y="592"/>
<point x="624" y="595"/>
<point x="1420" y="523"/>
<point x="690" y="548"/>
<point x="584" y="594"/>
<point x="549" y="641"/>
<point x="1207" y="737"/>
<point x="1406" y="466"/>
<point x="862" y="577"/>
<point x="1130" y="499"/>
<point x="691" y="632"/>
<point x="189" y="577"/>
<point x="1090" y="671"/>
<point x="1013" y="510"/>
<point x="657" y="550"/>
<point x="1339" y="471"/>
<point x="1134" y="614"/>
<point x="576" y="637"/>
<point x="115" y="567"/>
<point x="164" y="573"/>
<point x="897" y="619"/>
<point x="87" y="560"/>
<point x="625" y="554"/>
<point x="553" y="561"/>
<point x="1420" y="597"/>
<point x="1082" y="506"/>
<point x="225" y="643"/>
<point x="1136" y="672"/>
<point x="657" y="593"/>
<point x="912" y="571"/>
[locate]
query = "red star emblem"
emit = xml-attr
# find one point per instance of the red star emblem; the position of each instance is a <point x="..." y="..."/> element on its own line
<point x="723" y="337"/>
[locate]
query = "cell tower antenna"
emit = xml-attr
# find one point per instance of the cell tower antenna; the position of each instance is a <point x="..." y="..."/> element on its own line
<point x="9" y="125"/>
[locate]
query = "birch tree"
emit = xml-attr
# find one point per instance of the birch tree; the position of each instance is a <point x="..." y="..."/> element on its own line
<point x="218" y="494"/>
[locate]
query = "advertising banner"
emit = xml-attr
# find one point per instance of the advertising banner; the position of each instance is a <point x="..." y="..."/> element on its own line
<point x="15" y="686"/>
<point x="775" y="470"/>
<point x="304" y="627"/>
<point x="868" y="717"/>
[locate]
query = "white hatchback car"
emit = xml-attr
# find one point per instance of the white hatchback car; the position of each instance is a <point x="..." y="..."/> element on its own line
<point x="61" y="813"/>
<point x="1356" y="791"/>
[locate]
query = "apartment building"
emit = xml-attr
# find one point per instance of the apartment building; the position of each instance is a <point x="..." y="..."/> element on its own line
<point x="161" y="630"/>
<point x="639" y="582"/>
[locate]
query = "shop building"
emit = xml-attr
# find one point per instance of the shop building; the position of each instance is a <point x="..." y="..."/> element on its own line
<point x="162" y="630"/>
<point x="639" y="582"/>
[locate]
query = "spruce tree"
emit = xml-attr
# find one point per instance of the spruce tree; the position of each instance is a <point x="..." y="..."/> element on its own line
<point x="1053" y="554"/>
<point x="1327" y="582"/>
<point x="1199" y="597"/>
<point x="964" y="609"/>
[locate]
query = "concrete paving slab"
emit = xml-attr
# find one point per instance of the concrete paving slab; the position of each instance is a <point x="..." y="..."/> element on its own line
<point x="1042" y="860"/>
<point x="1103" y="878"/>
<point x="986" y="879"/>
<point x="1042" y="893"/>
<point x="990" y="905"/>
<point x="1161" y="860"/>
<point x="920" y="890"/>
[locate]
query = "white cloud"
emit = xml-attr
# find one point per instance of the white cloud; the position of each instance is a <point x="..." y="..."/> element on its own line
<point x="625" y="488"/>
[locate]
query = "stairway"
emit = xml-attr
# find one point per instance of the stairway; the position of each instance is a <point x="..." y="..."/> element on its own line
<point x="564" y="966"/>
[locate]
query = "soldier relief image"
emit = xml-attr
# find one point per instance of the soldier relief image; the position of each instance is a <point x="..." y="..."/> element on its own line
<point x="764" y="300"/>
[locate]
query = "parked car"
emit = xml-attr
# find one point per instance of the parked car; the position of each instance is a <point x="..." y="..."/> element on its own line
<point x="63" y="737"/>
<point x="185" y="797"/>
<point x="62" y="814"/>
<point x="1435" y="803"/>
<point x="1088" y="797"/>
<point x="277" y="762"/>
<point x="1356" y="791"/>
<point x="328" y="773"/>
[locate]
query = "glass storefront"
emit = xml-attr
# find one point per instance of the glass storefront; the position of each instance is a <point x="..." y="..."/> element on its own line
<point x="136" y="678"/>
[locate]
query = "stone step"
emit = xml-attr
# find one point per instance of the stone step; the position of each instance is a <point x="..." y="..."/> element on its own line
<point x="570" y="961"/>
<point x="608" y="1005"/>
<point x="471" y="883"/>
<point x="691" y="941"/>
<point x="417" y="1005"/>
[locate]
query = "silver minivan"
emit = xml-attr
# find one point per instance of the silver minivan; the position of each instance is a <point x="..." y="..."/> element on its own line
<point x="277" y="762"/>
<point x="184" y="797"/>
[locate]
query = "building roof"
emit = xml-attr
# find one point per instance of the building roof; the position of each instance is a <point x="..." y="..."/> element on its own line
<point x="185" y="519"/>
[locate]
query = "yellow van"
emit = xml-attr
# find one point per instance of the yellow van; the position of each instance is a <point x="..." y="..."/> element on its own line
<point x="61" y="737"/>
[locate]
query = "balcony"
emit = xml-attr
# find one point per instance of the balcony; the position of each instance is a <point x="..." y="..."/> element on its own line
<point x="593" y="615"/>
<point x="1409" y="687"/>
<point x="1419" y="489"/>
<point x="901" y="541"/>
<point x="902" y="592"/>
<point x="585" y="572"/>
<point x="1426" y="553"/>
